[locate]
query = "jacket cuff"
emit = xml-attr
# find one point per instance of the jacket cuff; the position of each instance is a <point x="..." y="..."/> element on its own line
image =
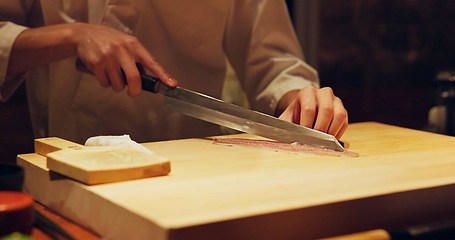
<point x="9" y="32"/>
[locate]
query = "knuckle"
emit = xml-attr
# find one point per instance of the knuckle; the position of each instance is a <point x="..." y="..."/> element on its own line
<point x="95" y="62"/>
<point x="132" y="40"/>
<point x="338" y="101"/>
<point x="104" y="55"/>
<point x="308" y="110"/>
<point x="133" y="76"/>
<point x="98" y="61"/>
<point x="309" y="88"/>
<point x="111" y="48"/>
<point x="328" y="90"/>
<point x="341" y="114"/>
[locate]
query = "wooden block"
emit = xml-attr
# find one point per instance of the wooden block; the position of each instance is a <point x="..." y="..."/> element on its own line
<point x="106" y="164"/>
<point x="43" y="146"/>
<point x="99" y="164"/>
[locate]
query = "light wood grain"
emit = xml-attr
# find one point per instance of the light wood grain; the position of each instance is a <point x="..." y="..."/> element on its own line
<point x="403" y="177"/>
<point x="100" y="164"/>
<point x="107" y="164"/>
<point x="43" y="146"/>
<point x="378" y="234"/>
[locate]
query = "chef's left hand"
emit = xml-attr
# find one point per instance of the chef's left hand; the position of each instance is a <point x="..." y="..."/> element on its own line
<point x="315" y="108"/>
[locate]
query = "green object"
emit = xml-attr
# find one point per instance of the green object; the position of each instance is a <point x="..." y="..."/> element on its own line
<point x="16" y="236"/>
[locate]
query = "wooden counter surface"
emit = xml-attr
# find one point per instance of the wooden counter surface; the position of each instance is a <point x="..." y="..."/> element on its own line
<point x="403" y="177"/>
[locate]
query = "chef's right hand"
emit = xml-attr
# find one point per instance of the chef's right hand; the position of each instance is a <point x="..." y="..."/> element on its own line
<point x="106" y="52"/>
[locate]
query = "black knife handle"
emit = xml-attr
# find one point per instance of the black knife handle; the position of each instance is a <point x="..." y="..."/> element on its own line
<point x="150" y="83"/>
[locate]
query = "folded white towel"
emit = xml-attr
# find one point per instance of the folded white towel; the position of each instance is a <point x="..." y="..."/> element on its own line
<point x="124" y="140"/>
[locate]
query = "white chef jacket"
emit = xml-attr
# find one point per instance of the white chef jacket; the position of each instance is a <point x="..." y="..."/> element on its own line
<point x="191" y="39"/>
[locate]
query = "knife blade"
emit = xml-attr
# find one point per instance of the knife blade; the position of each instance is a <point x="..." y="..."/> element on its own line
<point x="216" y="111"/>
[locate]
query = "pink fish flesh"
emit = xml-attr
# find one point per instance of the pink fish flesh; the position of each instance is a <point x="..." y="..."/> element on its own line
<point x="289" y="147"/>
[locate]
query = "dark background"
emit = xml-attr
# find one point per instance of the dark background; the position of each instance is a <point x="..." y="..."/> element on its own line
<point x="16" y="136"/>
<point x="380" y="57"/>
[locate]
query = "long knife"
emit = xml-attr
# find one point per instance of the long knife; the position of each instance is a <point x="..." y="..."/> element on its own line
<point x="213" y="110"/>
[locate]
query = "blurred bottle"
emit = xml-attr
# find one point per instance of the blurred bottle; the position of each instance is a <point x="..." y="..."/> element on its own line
<point x="441" y="118"/>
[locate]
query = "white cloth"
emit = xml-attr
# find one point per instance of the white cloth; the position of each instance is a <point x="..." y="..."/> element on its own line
<point x="190" y="38"/>
<point x="123" y="140"/>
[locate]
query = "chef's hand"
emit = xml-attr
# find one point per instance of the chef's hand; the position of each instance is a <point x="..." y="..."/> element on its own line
<point x="106" y="52"/>
<point x="315" y="108"/>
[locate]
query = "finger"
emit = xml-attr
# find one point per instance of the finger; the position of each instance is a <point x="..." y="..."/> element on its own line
<point x="291" y="113"/>
<point x="286" y="115"/>
<point x="152" y="65"/>
<point x="342" y="130"/>
<point x="325" y="109"/>
<point x="115" y="77"/>
<point x="131" y="74"/>
<point x="159" y="72"/>
<point x="339" y="117"/>
<point x="307" y="99"/>
<point x="317" y="104"/>
<point x="101" y="75"/>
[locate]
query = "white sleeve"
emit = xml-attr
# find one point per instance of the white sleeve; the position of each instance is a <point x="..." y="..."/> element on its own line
<point x="263" y="49"/>
<point x="8" y="34"/>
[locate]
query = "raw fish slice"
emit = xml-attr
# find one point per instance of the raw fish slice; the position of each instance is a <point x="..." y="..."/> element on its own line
<point x="289" y="147"/>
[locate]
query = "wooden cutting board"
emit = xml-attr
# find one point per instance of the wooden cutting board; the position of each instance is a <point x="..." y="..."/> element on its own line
<point x="402" y="177"/>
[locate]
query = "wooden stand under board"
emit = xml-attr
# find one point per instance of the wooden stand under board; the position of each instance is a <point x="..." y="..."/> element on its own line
<point x="403" y="177"/>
